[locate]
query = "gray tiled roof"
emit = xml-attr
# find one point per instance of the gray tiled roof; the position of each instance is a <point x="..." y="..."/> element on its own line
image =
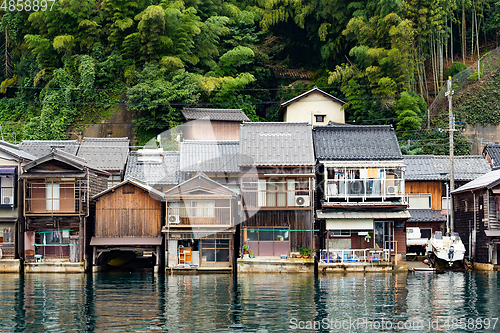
<point x="490" y="179"/>
<point x="276" y="144"/>
<point x="426" y="215"/>
<point x="165" y="173"/>
<point x="214" y="114"/>
<point x="41" y="148"/>
<point x="356" y="143"/>
<point x="430" y="167"/>
<point x="493" y="152"/>
<point x="209" y="156"/>
<point x="15" y="151"/>
<point x="108" y="154"/>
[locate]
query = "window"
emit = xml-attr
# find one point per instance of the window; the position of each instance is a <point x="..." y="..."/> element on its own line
<point x="444" y="203"/>
<point x="419" y="201"/>
<point x="7" y="190"/>
<point x="113" y="180"/>
<point x="52" y="196"/>
<point x="464" y="203"/>
<point x="215" y="250"/>
<point x="340" y="233"/>
<point x="267" y="234"/>
<point x="128" y="189"/>
<point x="320" y="118"/>
<point x="281" y="192"/>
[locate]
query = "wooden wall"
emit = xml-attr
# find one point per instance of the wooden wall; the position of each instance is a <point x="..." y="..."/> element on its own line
<point x="294" y="219"/>
<point x="435" y="188"/>
<point x="120" y="214"/>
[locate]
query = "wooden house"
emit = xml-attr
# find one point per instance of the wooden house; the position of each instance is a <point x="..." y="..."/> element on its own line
<point x="491" y="153"/>
<point x="57" y="189"/>
<point x="107" y="154"/>
<point x="212" y="124"/>
<point x="315" y="107"/>
<point x="277" y="186"/>
<point x="128" y="220"/>
<point x="154" y="167"/>
<point x="426" y="178"/>
<point x="11" y="200"/>
<point x="41" y="148"/>
<point x="477" y="218"/>
<point x="201" y="216"/>
<point x="361" y="188"/>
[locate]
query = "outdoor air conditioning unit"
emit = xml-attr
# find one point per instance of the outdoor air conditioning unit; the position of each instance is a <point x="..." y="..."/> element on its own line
<point x="392" y="190"/>
<point x="6" y="200"/>
<point x="302" y="201"/>
<point x="174" y="219"/>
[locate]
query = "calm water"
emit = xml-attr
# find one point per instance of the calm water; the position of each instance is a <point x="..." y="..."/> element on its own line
<point x="143" y="302"/>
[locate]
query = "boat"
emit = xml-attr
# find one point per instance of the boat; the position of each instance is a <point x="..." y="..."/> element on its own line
<point x="447" y="250"/>
<point x="121" y="258"/>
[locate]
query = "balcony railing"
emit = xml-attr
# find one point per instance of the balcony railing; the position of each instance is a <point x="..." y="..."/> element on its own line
<point x="277" y="198"/>
<point x="354" y="255"/>
<point x="364" y="188"/>
<point x="199" y="216"/>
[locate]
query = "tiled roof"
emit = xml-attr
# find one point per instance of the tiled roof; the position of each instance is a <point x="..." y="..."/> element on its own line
<point x="41" y="148"/>
<point x="136" y="183"/>
<point x="493" y="152"/>
<point x="209" y="156"/>
<point x="276" y="144"/>
<point x="164" y="173"/>
<point x="105" y="153"/>
<point x="15" y="151"/>
<point x="430" y="167"/>
<point x="214" y="114"/>
<point x="426" y="215"/>
<point x="489" y="180"/>
<point x="66" y="157"/>
<point x="307" y="93"/>
<point x="356" y="143"/>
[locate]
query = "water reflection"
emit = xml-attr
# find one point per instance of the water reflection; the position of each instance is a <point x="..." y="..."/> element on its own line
<point x="131" y="302"/>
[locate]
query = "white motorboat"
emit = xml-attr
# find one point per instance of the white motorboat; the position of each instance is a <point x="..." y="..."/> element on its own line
<point x="448" y="249"/>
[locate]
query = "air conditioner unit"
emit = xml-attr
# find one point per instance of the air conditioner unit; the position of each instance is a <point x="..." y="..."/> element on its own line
<point x="302" y="200"/>
<point x="392" y="190"/>
<point x="174" y="219"/>
<point x="6" y="200"/>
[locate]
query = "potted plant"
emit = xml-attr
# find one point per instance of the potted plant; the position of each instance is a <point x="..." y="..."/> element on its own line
<point x="245" y="249"/>
<point x="251" y="253"/>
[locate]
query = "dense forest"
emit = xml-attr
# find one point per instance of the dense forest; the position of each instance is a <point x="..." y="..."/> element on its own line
<point x="69" y="63"/>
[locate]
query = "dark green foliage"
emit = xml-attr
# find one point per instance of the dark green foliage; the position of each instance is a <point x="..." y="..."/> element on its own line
<point x="455" y="68"/>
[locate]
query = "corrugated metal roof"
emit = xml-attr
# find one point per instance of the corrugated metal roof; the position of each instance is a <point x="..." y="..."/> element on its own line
<point x="356" y="143"/>
<point x="209" y="156"/>
<point x="430" y="167"/>
<point x="276" y="144"/>
<point x="214" y="114"/>
<point x="426" y="215"/>
<point x="41" y="148"/>
<point x="487" y="180"/>
<point x="362" y="215"/>
<point x="108" y="154"/>
<point x="165" y="173"/>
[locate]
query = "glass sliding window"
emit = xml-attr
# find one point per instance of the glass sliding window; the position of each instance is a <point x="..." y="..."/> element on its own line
<point x="52" y="195"/>
<point x="281" y="194"/>
<point x="419" y="201"/>
<point x="271" y="193"/>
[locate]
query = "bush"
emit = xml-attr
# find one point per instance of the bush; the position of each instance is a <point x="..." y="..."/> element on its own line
<point x="455" y="68"/>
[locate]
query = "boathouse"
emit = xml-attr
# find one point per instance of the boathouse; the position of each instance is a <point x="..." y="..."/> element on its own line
<point x="277" y="186"/>
<point x="127" y="229"/>
<point x="360" y="190"/>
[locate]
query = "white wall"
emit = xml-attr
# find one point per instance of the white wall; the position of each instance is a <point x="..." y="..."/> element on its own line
<point x="316" y="103"/>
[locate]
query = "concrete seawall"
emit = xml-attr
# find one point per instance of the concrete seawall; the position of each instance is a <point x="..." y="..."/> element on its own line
<point x="10" y="266"/>
<point x="54" y="267"/>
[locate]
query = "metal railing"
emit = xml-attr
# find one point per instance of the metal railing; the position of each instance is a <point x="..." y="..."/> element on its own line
<point x="364" y="188"/>
<point x="354" y="255"/>
<point x="199" y="216"/>
<point x="277" y="198"/>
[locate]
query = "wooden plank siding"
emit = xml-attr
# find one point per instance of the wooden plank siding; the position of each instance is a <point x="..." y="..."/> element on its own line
<point x="211" y="130"/>
<point x="435" y="188"/>
<point x="120" y="214"/>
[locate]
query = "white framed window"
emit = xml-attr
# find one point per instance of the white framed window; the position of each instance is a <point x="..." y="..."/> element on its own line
<point x="420" y="201"/>
<point x="7" y="190"/>
<point x="52" y="195"/>
<point x="444" y="203"/>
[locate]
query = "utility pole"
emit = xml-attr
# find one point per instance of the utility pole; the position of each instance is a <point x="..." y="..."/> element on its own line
<point x="451" y="130"/>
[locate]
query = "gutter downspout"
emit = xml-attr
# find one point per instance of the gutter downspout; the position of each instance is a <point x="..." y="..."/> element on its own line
<point x="474" y="231"/>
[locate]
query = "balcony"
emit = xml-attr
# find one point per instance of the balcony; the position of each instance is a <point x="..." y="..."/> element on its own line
<point x="277" y="193"/>
<point x="364" y="189"/>
<point x="52" y="199"/>
<point x="199" y="217"/>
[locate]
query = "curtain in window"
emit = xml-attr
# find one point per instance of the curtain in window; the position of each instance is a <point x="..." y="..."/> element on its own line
<point x="261" y="194"/>
<point x="281" y="195"/>
<point x="291" y="192"/>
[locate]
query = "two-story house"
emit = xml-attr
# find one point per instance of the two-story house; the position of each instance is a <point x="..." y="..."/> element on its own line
<point x="361" y="188"/>
<point x="477" y="219"/>
<point x="277" y="186"/>
<point x="315" y="107"/>
<point x="57" y="191"/>
<point x="426" y="179"/>
<point x="11" y="200"/>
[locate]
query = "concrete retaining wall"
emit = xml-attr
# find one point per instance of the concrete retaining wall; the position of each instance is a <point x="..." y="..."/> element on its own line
<point x="54" y="267"/>
<point x="483" y="267"/>
<point x="276" y="266"/>
<point x="10" y="266"/>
